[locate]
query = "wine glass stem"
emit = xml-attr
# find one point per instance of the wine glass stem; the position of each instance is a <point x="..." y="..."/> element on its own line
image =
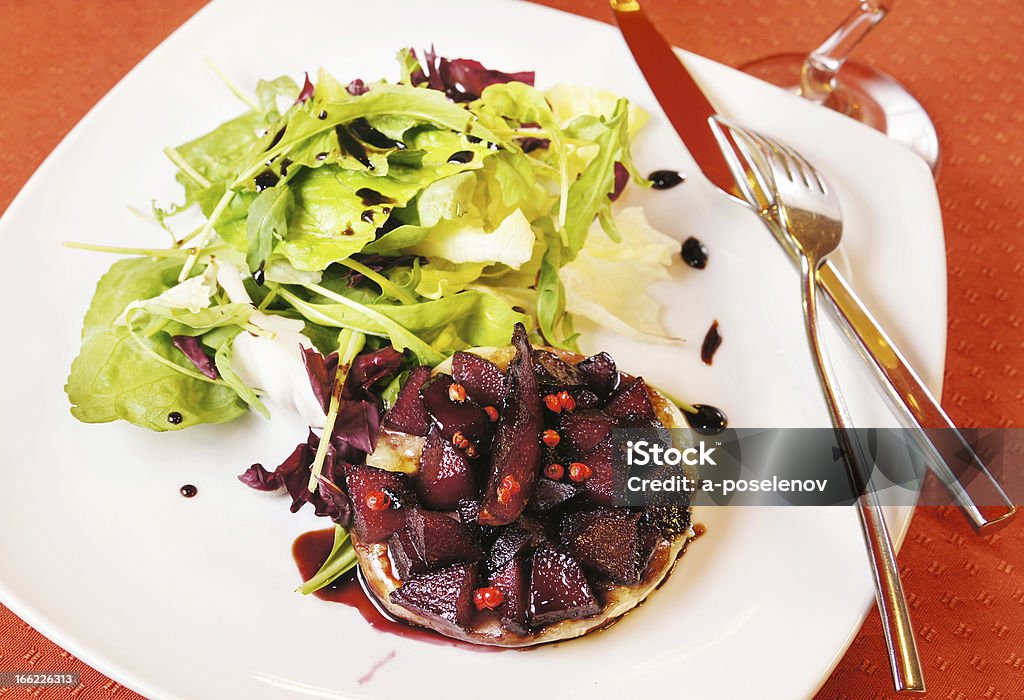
<point x="818" y="74"/>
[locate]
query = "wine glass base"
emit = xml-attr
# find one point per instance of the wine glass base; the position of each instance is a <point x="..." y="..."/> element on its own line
<point x="865" y="94"/>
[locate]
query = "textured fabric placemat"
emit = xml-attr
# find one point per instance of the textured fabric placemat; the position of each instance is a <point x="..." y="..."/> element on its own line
<point x="961" y="58"/>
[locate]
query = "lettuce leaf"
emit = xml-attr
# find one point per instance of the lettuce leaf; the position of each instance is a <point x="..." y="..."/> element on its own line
<point x="115" y="377"/>
<point x="475" y="318"/>
<point x="511" y="243"/>
<point x="594" y="280"/>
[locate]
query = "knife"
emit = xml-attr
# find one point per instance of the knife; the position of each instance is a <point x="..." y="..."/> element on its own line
<point x="949" y="455"/>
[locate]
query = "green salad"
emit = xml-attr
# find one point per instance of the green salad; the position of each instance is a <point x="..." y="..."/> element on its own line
<point x="422" y="216"/>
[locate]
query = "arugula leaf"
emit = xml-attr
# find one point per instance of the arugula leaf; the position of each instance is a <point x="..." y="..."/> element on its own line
<point x="266" y="223"/>
<point x="475" y="317"/>
<point x="113" y="377"/>
<point x="526" y="104"/>
<point x="397" y="240"/>
<point x="588" y="195"/>
<point x="222" y="360"/>
<point x="268" y="92"/>
<point x="418" y="103"/>
<point x="341" y="559"/>
<point x="218" y="155"/>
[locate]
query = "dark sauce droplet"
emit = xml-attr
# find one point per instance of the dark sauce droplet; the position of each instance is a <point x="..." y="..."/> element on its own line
<point x="322" y="115"/>
<point x="266" y="179"/>
<point x="708" y="420"/>
<point x="460" y="157"/>
<point x="712" y="341"/>
<point x="260" y="275"/>
<point x="694" y="253"/>
<point x="372" y="197"/>
<point x="188" y="490"/>
<point x="277" y="138"/>
<point x="378" y="139"/>
<point x="350" y="145"/>
<point x="473" y="139"/>
<point x="322" y="155"/>
<point x="174" y="418"/>
<point x="665" y="179"/>
<point x="367" y="216"/>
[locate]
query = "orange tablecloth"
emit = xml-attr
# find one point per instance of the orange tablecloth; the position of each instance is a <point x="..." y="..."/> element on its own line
<point x="962" y="58"/>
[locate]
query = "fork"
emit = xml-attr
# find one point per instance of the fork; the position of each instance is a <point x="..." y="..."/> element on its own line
<point x="773" y="177"/>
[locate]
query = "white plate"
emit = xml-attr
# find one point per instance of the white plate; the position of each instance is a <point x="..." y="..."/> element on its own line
<point x="193" y="598"/>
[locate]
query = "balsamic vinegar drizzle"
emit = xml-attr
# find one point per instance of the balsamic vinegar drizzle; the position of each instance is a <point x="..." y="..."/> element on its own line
<point x="366" y="133"/>
<point x="707" y="420"/>
<point x="665" y="179"/>
<point x="712" y="341"/>
<point x="277" y="139"/>
<point x="188" y="490"/>
<point x="694" y="253"/>
<point x="266" y="179"/>
<point x="174" y="418"/>
<point x="460" y="157"/>
<point x="372" y="197"/>
<point x="350" y="145"/>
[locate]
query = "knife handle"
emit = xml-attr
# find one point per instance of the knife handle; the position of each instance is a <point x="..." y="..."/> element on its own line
<point x="950" y="457"/>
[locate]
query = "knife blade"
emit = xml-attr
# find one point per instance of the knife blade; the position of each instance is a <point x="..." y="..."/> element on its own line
<point x="957" y="465"/>
<point x="684" y="103"/>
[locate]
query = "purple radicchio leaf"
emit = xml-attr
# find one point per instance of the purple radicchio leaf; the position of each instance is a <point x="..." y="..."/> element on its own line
<point x="357" y="87"/>
<point x="417" y="76"/>
<point x="337" y="504"/>
<point x="621" y="178"/>
<point x="529" y="144"/>
<point x="356" y="426"/>
<point x="370" y="367"/>
<point x="321" y="371"/>
<point x="358" y="418"/>
<point x="257" y="477"/>
<point x="306" y="92"/>
<point x="193" y="350"/>
<point x="293" y="475"/>
<point x="463" y="79"/>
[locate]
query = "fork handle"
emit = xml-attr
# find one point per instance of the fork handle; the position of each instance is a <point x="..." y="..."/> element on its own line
<point x="971" y="483"/>
<point x="897" y="628"/>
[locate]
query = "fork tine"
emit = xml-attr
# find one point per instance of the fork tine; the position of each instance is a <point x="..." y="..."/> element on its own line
<point x="760" y="167"/>
<point x="739" y="174"/>
<point x="811" y="174"/>
<point x="779" y="156"/>
<point x="753" y="171"/>
<point x="796" y="163"/>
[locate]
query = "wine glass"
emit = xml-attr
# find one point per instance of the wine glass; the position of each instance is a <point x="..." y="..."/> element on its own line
<point x="858" y="91"/>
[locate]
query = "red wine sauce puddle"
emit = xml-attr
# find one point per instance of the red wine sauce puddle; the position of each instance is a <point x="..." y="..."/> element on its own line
<point x="310" y="552"/>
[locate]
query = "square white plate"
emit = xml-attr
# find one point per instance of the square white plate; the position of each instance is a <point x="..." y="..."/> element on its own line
<point x="193" y="598"/>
